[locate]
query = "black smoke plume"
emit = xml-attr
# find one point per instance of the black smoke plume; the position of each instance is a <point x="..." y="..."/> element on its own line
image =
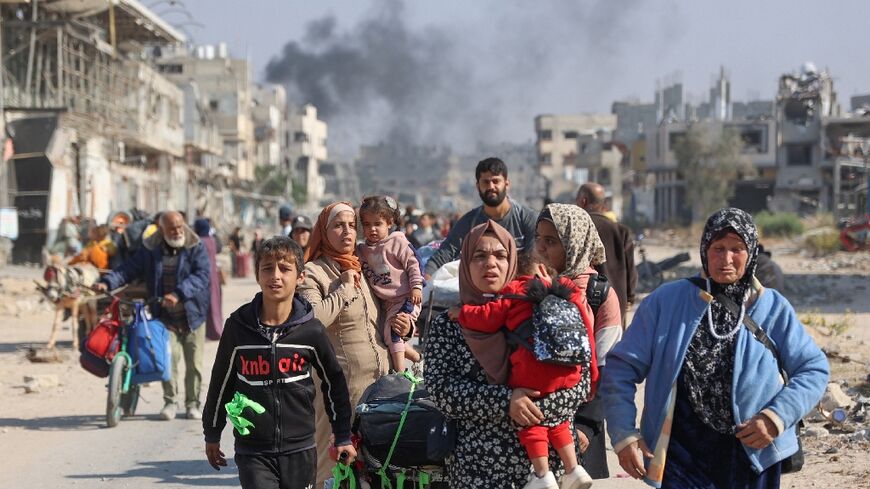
<point x="455" y="84"/>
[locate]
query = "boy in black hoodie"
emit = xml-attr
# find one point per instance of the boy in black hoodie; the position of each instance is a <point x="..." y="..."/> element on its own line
<point x="263" y="365"/>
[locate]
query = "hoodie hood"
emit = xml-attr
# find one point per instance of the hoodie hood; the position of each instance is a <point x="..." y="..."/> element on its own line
<point x="248" y="314"/>
<point x="156" y="239"/>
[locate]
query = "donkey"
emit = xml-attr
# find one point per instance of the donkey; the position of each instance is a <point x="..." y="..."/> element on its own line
<point x="67" y="287"/>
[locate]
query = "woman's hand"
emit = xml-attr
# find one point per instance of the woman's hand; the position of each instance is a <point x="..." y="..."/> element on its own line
<point x="630" y="458"/>
<point x="758" y="432"/>
<point x="349" y="278"/>
<point x="216" y="457"/>
<point x="522" y="409"/>
<point x="401" y="324"/>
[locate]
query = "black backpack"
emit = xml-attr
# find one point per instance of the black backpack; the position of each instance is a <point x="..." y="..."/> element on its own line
<point x="556" y="332"/>
<point x="400" y="427"/>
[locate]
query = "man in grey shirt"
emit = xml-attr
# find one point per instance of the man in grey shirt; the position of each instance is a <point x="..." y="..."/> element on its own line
<point x="492" y="185"/>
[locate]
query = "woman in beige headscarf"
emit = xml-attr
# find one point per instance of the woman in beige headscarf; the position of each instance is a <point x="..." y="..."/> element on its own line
<point x="348" y="309"/>
<point x="459" y="366"/>
<point x="566" y="239"/>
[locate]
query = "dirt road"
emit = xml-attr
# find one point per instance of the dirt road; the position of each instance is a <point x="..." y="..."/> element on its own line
<point x="57" y="438"/>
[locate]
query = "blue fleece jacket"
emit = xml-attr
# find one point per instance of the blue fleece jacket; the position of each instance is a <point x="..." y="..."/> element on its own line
<point x="654" y="348"/>
<point x="192" y="275"/>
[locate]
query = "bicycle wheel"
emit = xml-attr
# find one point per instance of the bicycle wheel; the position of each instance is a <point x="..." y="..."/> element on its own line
<point x="129" y="401"/>
<point x="648" y="276"/>
<point x="116" y="383"/>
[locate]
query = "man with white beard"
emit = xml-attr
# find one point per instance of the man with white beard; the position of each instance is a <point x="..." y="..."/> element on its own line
<point x="175" y="266"/>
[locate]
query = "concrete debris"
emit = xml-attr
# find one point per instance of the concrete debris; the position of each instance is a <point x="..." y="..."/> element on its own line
<point x="835" y="398"/>
<point x="39" y="382"/>
<point x="860" y="435"/>
<point x="816" y="431"/>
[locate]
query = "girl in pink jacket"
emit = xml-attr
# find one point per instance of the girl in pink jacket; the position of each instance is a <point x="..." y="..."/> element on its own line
<point x="390" y="266"/>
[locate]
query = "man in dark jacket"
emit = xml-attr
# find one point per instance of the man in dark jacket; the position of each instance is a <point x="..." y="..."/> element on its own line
<point x="618" y="244"/>
<point x="491" y="176"/>
<point x="175" y="266"/>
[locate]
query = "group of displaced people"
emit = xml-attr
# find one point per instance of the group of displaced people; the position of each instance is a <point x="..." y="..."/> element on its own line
<point x="717" y="411"/>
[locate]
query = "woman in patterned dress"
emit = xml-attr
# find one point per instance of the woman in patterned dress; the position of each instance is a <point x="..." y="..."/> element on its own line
<point x="716" y="412"/>
<point x="459" y="363"/>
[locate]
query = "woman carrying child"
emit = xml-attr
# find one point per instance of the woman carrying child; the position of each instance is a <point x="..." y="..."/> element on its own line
<point x="392" y="271"/>
<point x="348" y="309"/>
<point x="512" y="309"/>
<point x="460" y="364"/>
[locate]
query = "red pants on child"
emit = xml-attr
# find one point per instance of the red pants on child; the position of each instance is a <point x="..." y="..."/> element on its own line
<point x="538" y="439"/>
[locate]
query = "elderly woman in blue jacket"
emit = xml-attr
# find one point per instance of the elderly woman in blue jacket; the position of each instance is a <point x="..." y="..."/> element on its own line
<point x="716" y="408"/>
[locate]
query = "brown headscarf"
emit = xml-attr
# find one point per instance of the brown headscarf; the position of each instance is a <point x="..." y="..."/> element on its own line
<point x="320" y="245"/>
<point x="490" y="349"/>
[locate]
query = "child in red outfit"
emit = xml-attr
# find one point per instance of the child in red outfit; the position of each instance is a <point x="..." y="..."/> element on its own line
<point x="528" y="372"/>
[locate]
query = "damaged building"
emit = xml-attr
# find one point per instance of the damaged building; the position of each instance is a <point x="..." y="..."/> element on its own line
<point x="425" y="176"/>
<point x="108" y="108"/>
<point x="86" y="112"/>
<point x="808" y="155"/>
<point x="822" y="157"/>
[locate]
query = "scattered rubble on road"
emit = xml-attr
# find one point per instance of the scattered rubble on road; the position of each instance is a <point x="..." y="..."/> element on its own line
<point x="39" y="382"/>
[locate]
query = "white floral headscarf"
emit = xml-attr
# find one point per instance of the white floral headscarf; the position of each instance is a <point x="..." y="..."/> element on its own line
<point x="579" y="237"/>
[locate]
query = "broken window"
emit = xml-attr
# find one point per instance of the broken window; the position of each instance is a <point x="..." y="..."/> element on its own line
<point x="545" y="135"/>
<point x="171" y="68"/>
<point x="569" y="134"/>
<point x="754" y="138"/>
<point x="545" y="159"/>
<point x="798" y="111"/>
<point x="798" y="154"/>
<point x="674" y="139"/>
<point x="300" y="137"/>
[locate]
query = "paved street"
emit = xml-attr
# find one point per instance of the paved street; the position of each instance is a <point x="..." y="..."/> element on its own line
<point x="57" y="438"/>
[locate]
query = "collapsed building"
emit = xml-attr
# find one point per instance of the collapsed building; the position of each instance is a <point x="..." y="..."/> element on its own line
<point x="809" y="156"/>
<point x="821" y="163"/>
<point x="85" y="113"/>
<point x="107" y="108"/>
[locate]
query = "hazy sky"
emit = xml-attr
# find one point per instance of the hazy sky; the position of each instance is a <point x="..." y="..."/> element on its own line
<point x="460" y="71"/>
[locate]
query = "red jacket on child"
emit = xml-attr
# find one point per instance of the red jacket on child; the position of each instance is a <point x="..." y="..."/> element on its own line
<point x="526" y="371"/>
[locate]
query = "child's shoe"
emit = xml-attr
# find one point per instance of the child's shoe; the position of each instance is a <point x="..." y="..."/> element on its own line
<point x="548" y="481"/>
<point x="576" y="479"/>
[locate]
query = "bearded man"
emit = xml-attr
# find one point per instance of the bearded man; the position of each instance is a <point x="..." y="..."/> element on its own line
<point x="491" y="179"/>
<point x="175" y="266"/>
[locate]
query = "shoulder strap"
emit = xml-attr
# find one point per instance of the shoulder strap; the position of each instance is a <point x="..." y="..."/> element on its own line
<point x="750" y="323"/>
<point x="520" y="336"/>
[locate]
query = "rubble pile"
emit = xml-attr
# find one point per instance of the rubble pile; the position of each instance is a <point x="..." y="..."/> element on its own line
<point x="18" y="296"/>
<point x="855" y="262"/>
<point x="841" y="420"/>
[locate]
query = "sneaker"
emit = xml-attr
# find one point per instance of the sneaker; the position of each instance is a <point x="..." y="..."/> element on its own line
<point x="576" y="479"/>
<point x="548" y="481"/>
<point x="168" y="412"/>
<point x="193" y="413"/>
